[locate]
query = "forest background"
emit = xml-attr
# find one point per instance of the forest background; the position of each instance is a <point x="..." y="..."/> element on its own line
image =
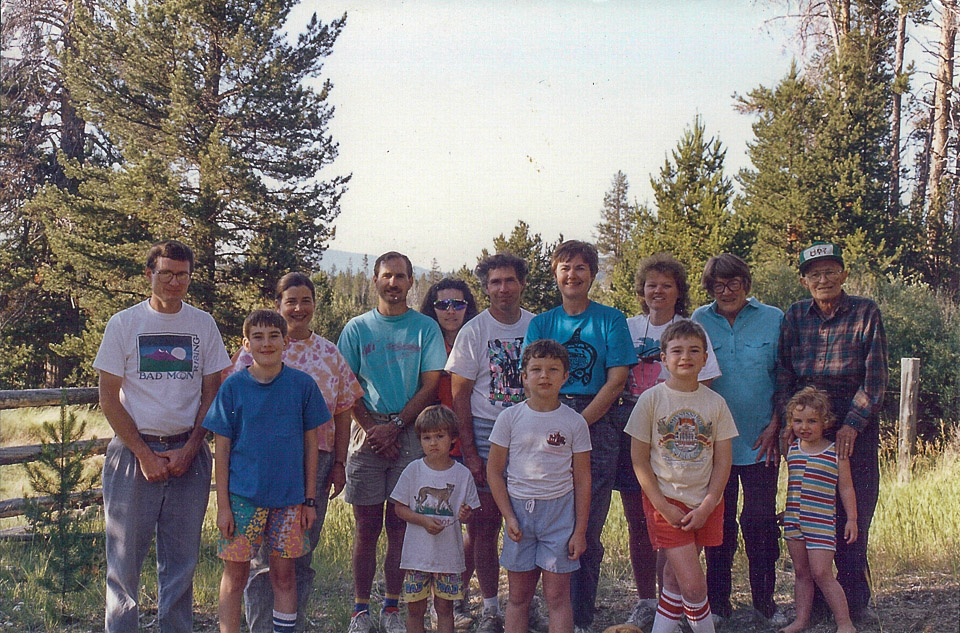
<point x="126" y="123"/>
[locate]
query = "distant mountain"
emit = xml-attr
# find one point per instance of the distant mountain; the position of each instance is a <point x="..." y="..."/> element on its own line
<point x="345" y="260"/>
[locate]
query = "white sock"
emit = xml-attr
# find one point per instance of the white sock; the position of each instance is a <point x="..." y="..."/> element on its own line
<point x="669" y="612"/>
<point x="699" y="617"/>
<point x="284" y="622"/>
<point x="491" y="605"/>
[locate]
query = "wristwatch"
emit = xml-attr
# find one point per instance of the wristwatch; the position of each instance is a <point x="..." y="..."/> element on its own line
<point x="310" y="502"/>
<point x="397" y="422"/>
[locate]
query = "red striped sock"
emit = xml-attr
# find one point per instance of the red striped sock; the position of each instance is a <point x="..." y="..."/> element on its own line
<point x="699" y="617"/>
<point x="669" y="611"/>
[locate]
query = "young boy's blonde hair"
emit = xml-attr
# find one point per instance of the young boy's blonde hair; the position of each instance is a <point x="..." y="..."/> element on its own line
<point x="435" y="418"/>
<point x="816" y="399"/>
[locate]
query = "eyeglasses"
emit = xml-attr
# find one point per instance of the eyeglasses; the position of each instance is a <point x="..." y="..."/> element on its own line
<point x="450" y="304"/>
<point x="733" y="285"/>
<point x="165" y="276"/>
<point x="829" y="275"/>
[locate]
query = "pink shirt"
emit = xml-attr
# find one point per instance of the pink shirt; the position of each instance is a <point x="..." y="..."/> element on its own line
<point x="321" y="359"/>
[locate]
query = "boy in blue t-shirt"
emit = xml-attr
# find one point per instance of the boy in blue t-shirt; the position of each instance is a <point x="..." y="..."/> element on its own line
<point x="265" y="420"/>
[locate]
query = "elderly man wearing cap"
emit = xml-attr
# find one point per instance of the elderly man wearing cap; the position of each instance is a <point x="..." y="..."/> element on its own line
<point x="836" y="342"/>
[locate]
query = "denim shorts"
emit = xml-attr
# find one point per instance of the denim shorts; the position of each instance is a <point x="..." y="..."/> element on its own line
<point x="547" y="525"/>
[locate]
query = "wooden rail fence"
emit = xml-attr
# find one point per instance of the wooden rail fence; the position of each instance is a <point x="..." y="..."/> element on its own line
<point x="10" y="399"/>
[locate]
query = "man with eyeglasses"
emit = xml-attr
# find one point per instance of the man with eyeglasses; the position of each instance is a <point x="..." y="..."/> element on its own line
<point x="159" y="365"/>
<point x="397" y="355"/>
<point x="744" y="334"/>
<point x="836" y="342"/>
<point x="484" y="368"/>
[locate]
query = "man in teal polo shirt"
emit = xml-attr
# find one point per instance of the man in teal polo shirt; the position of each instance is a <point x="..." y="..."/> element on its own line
<point x="744" y="333"/>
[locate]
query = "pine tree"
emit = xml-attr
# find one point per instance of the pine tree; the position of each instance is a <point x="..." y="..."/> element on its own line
<point x="59" y="473"/>
<point x="693" y="218"/>
<point x="40" y="129"/>
<point x="222" y="145"/>
<point x="541" y="293"/>
<point x="821" y="158"/>
<point x="616" y="218"/>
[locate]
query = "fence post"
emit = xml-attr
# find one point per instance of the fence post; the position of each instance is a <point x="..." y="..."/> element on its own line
<point x="909" y="386"/>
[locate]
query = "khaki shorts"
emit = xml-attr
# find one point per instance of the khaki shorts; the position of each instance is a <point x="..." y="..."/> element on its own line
<point x="371" y="478"/>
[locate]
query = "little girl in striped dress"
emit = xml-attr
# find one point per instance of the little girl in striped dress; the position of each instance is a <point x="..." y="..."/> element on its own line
<point x="809" y="523"/>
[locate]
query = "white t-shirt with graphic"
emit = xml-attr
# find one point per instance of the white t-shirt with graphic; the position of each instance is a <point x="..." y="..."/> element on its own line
<point x="682" y="428"/>
<point x="540" y="449"/>
<point x="438" y="494"/>
<point x="162" y="359"/>
<point x="649" y="369"/>
<point x="488" y="352"/>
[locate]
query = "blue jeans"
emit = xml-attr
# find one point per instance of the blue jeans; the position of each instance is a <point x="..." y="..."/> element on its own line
<point x="761" y="538"/>
<point x="135" y="511"/>
<point x="605" y="441"/>
<point x="258" y="594"/>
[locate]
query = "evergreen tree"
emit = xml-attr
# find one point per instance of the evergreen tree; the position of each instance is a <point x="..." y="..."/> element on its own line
<point x="693" y="218"/>
<point x="541" y="292"/>
<point x="616" y="218"/>
<point x="59" y="474"/>
<point x="40" y="128"/>
<point x="821" y="158"/>
<point x="222" y="144"/>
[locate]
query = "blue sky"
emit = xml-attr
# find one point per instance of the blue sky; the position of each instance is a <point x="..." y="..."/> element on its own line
<point x="458" y="118"/>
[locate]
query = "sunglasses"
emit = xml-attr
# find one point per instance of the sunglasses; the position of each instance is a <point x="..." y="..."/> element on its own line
<point x="450" y="304"/>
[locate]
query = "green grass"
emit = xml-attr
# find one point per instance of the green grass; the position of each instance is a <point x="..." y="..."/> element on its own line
<point x="916" y="530"/>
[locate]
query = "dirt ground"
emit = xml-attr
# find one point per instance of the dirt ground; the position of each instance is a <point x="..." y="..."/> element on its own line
<point x="906" y="604"/>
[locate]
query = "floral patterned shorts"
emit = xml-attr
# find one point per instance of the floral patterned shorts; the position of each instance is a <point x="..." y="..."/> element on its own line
<point x="279" y="526"/>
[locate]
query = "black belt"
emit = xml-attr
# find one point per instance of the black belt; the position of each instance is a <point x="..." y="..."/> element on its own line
<point x="166" y="439"/>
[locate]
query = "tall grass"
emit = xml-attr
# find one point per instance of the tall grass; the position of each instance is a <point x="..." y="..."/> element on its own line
<point x="916" y="530"/>
<point x="917" y="524"/>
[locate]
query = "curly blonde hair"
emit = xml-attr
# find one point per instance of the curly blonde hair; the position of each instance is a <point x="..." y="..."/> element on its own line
<point x="816" y="399"/>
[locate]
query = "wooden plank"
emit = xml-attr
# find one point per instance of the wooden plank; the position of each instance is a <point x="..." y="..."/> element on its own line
<point x="909" y="390"/>
<point x="18" y="399"/>
<point x="16" y="507"/>
<point x="29" y="453"/>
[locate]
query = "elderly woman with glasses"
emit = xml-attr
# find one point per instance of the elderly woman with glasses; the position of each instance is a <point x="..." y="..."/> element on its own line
<point x="661" y="287"/>
<point x="744" y="334"/>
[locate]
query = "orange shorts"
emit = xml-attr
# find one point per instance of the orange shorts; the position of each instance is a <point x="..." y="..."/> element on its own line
<point x="664" y="536"/>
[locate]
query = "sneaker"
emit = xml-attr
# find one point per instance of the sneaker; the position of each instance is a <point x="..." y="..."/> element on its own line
<point x="536" y="620"/>
<point x="865" y="616"/>
<point x="490" y="622"/>
<point x="776" y="621"/>
<point x="391" y="622"/>
<point x="462" y="619"/>
<point x="718" y="621"/>
<point x="643" y="613"/>
<point x="360" y="623"/>
<point x="581" y="629"/>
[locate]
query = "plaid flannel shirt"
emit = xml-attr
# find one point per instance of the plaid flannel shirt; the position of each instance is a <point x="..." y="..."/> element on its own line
<point x="845" y="355"/>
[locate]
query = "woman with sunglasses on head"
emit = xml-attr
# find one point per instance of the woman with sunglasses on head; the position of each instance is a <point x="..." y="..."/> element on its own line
<point x="450" y="303"/>
<point x="661" y="287"/>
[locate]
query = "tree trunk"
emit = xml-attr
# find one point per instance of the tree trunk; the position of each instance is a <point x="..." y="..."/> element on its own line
<point x="940" y="134"/>
<point x="941" y="101"/>
<point x="894" y="205"/>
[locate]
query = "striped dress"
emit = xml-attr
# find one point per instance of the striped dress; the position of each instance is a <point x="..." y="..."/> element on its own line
<point x="811" y="512"/>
